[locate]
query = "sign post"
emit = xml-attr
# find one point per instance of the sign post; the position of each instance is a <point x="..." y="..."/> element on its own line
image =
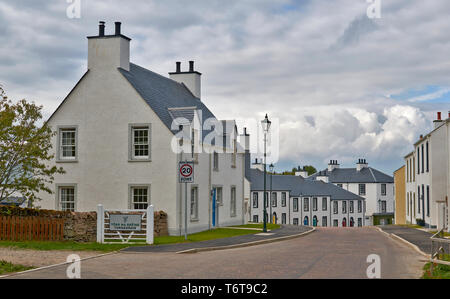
<point x="186" y="175"/>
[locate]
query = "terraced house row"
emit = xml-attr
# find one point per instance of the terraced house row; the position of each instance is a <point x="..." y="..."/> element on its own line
<point x="299" y="201"/>
<point x="426" y="179"/>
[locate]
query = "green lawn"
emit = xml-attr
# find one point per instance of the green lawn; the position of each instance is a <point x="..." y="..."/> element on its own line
<point x="6" y="267"/>
<point x="76" y="246"/>
<point x="439" y="271"/>
<point x="260" y="225"/>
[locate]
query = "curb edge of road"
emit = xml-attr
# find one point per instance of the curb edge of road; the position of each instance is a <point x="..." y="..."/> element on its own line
<point x="56" y="265"/>
<point x="398" y="238"/>
<point x="248" y="244"/>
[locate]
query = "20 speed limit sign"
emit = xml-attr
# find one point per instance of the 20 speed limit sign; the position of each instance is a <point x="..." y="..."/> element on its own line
<point x="186" y="172"/>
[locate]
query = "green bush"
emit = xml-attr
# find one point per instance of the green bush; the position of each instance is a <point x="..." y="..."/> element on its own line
<point x="16" y="211"/>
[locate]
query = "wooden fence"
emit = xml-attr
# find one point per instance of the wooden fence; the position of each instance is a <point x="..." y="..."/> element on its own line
<point x="16" y="228"/>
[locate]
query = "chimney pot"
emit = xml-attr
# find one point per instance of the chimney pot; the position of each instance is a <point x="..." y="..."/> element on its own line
<point x="101" y="28"/>
<point x="118" y="27"/>
<point x="178" y="70"/>
<point x="191" y="66"/>
<point x="439" y="116"/>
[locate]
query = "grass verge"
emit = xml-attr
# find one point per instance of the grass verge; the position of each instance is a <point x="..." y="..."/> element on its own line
<point x="217" y="233"/>
<point x="439" y="271"/>
<point x="259" y="225"/>
<point x="7" y="267"/>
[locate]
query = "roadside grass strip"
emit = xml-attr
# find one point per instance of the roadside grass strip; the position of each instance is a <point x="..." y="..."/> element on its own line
<point x="217" y="233"/>
<point x="439" y="271"/>
<point x="7" y="267"/>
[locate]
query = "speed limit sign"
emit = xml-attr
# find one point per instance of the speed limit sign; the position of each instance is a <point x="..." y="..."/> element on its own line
<point x="186" y="172"/>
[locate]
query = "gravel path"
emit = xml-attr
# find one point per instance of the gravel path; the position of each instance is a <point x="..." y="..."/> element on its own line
<point x="40" y="258"/>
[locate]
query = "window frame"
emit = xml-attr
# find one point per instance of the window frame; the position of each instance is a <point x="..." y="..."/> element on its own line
<point x="215" y="161"/>
<point x="383" y="192"/>
<point x="255" y="200"/>
<point x="324" y="204"/>
<point x="59" y="152"/>
<point x="233" y="202"/>
<point x="283" y="199"/>
<point x="194" y="216"/>
<point x="131" y="145"/>
<point x="131" y="188"/>
<point x="306" y="204"/>
<point x="58" y="205"/>
<point x="274" y="199"/>
<point x="295" y="204"/>
<point x="360" y="191"/>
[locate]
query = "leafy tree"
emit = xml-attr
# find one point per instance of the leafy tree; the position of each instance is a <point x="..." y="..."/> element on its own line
<point x="24" y="150"/>
<point x="310" y="169"/>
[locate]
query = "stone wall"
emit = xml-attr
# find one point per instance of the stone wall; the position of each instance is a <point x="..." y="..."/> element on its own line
<point x="80" y="226"/>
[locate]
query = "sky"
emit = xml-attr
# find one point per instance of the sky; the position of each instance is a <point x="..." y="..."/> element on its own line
<point x="341" y="85"/>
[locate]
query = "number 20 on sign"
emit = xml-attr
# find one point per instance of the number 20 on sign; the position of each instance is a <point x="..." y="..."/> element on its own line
<point x="186" y="172"/>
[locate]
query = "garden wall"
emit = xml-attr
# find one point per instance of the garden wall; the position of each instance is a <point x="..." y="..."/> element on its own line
<point x="79" y="226"/>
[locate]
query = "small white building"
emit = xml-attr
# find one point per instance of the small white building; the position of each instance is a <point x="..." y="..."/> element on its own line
<point x="427" y="177"/>
<point x="117" y="135"/>
<point x="373" y="185"/>
<point x="297" y="201"/>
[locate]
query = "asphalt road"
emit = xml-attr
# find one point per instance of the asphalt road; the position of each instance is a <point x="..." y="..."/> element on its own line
<point x="326" y="253"/>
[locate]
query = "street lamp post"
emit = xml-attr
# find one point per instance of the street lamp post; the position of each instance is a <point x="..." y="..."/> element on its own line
<point x="266" y="126"/>
<point x="271" y="167"/>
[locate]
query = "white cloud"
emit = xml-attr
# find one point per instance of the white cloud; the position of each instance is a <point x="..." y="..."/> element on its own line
<point x="319" y="66"/>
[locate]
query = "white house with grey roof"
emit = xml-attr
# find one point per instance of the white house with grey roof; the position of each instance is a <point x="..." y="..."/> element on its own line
<point x="118" y="138"/>
<point x="297" y="201"/>
<point x="427" y="177"/>
<point x="375" y="186"/>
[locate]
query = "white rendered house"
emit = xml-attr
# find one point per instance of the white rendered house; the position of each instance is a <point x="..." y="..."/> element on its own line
<point x="427" y="177"/>
<point x="373" y="185"/>
<point x="116" y="134"/>
<point x="297" y="201"/>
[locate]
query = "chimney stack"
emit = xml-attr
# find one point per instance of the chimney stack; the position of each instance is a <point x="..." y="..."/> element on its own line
<point x="101" y="29"/>
<point x="108" y="53"/>
<point x="117" y="28"/>
<point x="439" y="120"/>
<point x="333" y="165"/>
<point x="191" y="79"/>
<point x="362" y="163"/>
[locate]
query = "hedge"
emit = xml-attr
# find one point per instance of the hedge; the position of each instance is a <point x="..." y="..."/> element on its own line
<point x="16" y="211"/>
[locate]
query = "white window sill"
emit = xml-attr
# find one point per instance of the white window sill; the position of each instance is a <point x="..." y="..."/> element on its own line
<point x="139" y="160"/>
<point x="66" y="160"/>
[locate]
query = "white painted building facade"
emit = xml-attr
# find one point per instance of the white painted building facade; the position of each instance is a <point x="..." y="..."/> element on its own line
<point x="301" y="202"/>
<point x="114" y="139"/>
<point x="373" y="185"/>
<point x="427" y="178"/>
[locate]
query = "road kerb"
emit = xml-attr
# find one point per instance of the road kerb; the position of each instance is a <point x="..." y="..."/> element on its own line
<point x="398" y="238"/>
<point x="254" y="243"/>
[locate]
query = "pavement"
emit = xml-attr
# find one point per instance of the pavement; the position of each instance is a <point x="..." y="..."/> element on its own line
<point x="415" y="236"/>
<point x="326" y="253"/>
<point x="284" y="231"/>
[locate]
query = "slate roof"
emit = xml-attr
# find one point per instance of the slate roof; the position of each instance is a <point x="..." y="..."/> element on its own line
<point x="351" y="175"/>
<point x="298" y="186"/>
<point x="162" y="93"/>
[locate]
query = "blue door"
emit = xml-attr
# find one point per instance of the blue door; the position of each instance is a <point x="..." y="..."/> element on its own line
<point x="214" y="208"/>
